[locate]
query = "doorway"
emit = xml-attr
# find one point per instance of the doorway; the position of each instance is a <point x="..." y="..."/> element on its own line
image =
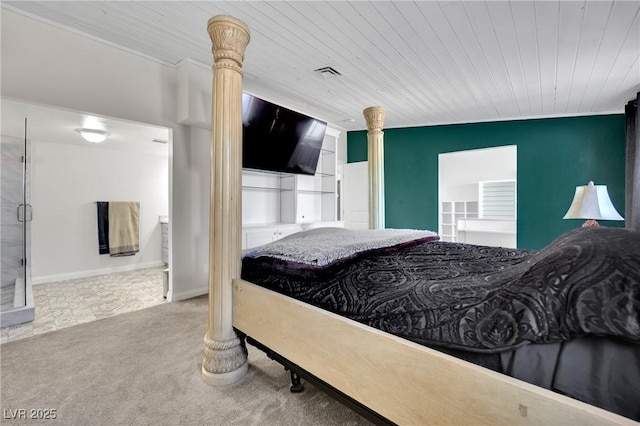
<point x="477" y="193"/>
<point x="70" y="174"/>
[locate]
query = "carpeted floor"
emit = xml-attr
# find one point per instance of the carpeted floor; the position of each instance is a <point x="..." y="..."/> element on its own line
<point x="143" y="367"/>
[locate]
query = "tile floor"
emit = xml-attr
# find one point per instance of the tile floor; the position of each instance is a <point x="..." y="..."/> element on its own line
<point x="70" y="302"/>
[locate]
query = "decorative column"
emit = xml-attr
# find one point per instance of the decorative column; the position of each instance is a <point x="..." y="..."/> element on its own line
<point x="225" y="355"/>
<point x="375" y="140"/>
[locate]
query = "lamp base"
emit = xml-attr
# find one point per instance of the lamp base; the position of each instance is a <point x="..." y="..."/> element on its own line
<point x="590" y="222"/>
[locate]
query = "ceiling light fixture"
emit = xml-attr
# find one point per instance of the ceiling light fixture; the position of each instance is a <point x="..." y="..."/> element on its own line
<point x="93" y="135"/>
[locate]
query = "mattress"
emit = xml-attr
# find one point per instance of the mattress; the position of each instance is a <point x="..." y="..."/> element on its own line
<point x="488" y="305"/>
<point x="462" y="296"/>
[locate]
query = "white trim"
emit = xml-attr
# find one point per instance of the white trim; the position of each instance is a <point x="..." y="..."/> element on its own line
<point x="174" y="297"/>
<point x="493" y="120"/>
<point x="193" y="62"/>
<point x="331" y="131"/>
<point x="93" y="272"/>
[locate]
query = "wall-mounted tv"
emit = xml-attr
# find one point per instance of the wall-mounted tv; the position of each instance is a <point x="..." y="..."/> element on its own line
<point x="277" y="139"/>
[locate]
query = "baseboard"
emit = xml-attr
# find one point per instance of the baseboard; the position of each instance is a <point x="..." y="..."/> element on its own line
<point x="174" y="297"/>
<point x="93" y="272"/>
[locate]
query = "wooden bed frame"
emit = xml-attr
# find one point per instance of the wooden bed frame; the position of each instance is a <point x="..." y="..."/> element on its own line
<point x="403" y="382"/>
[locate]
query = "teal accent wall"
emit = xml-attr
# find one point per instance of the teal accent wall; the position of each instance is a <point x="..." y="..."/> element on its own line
<point x="554" y="156"/>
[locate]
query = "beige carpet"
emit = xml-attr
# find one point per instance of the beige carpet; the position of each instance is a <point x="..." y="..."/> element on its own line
<point x="143" y="367"/>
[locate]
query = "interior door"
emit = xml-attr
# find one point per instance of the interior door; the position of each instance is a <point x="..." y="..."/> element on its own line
<point x="356" y="195"/>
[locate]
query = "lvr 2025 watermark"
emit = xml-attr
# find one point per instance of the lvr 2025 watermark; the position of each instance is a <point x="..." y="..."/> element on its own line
<point x="29" y="413"/>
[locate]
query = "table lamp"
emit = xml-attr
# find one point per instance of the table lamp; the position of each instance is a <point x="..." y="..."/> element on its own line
<point x="592" y="202"/>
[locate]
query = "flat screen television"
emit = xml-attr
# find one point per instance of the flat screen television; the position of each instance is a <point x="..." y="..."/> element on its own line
<point x="277" y="139"/>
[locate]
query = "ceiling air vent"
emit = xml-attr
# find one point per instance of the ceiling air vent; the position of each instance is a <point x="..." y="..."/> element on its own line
<point x="328" y="72"/>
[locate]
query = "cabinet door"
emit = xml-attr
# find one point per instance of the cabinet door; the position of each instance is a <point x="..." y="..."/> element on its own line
<point x="283" y="232"/>
<point x="165" y="243"/>
<point x="258" y="237"/>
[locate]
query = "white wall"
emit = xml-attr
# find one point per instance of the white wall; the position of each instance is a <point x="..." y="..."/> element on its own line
<point x="67" y="180"/>
<point x="459" y="172"/>
<point x="190" y="219"/>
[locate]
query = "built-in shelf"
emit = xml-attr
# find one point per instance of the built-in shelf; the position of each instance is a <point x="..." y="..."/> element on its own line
<point x="265" y="172"/>
<point x="266" y="188"/>
<point x="453" y="211"/>
<point x="314" y="191"/>
<point x="285" y="198"/>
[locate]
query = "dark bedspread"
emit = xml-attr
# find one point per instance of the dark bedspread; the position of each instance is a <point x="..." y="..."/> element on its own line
<point x="477" y="298"/>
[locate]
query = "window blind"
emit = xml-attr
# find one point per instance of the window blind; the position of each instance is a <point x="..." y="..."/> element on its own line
<point x="497" y="199"/>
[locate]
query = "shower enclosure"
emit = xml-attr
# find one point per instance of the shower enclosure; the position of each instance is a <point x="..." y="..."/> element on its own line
<point x="16" y="296"/>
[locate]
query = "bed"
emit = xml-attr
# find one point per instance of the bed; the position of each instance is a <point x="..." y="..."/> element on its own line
<point x="536" y="315"/>
<point x="402" y="381"/>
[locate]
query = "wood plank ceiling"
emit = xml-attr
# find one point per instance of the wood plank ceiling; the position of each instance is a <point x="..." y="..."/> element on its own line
<point x="427" y="62"/>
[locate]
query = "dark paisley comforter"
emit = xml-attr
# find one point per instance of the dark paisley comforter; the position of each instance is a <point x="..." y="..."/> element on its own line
<point x="477" y="298"/>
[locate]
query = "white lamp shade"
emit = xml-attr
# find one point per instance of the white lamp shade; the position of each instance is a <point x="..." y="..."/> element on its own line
<point x="592" y="202"/>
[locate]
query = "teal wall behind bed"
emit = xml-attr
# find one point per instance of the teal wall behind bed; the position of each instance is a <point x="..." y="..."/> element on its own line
<point x="554" y="156"/>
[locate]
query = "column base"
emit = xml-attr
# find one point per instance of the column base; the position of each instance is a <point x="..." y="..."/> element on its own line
<point x="221" y="379"/>
<point x="225" y="362"/>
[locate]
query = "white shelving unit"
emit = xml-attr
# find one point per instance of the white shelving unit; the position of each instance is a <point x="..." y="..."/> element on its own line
<point x="316" y="196"/>
<point x="496" y="223"/>
<point x="277" y="204"/>
<point x="450" y="213"/>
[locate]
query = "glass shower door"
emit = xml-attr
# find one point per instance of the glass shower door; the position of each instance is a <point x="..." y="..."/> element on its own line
<point x="16" y="300"/>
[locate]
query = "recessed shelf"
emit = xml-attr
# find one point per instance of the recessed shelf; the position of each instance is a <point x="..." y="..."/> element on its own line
<point x="314" y="191"/>
<point x="265" y="188"/>
<point x="266" y="172"/>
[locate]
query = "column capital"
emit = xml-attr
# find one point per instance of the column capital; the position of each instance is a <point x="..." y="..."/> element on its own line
<point x="229" y="37"/>
<point x="374" y="116"/>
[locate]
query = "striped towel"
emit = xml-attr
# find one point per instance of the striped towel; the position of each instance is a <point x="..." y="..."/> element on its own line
<point x="124" y="228"/>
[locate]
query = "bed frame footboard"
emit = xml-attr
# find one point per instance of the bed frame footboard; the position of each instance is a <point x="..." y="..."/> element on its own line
<point x="373" y="368"/>
<point x="298" y="373"/>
